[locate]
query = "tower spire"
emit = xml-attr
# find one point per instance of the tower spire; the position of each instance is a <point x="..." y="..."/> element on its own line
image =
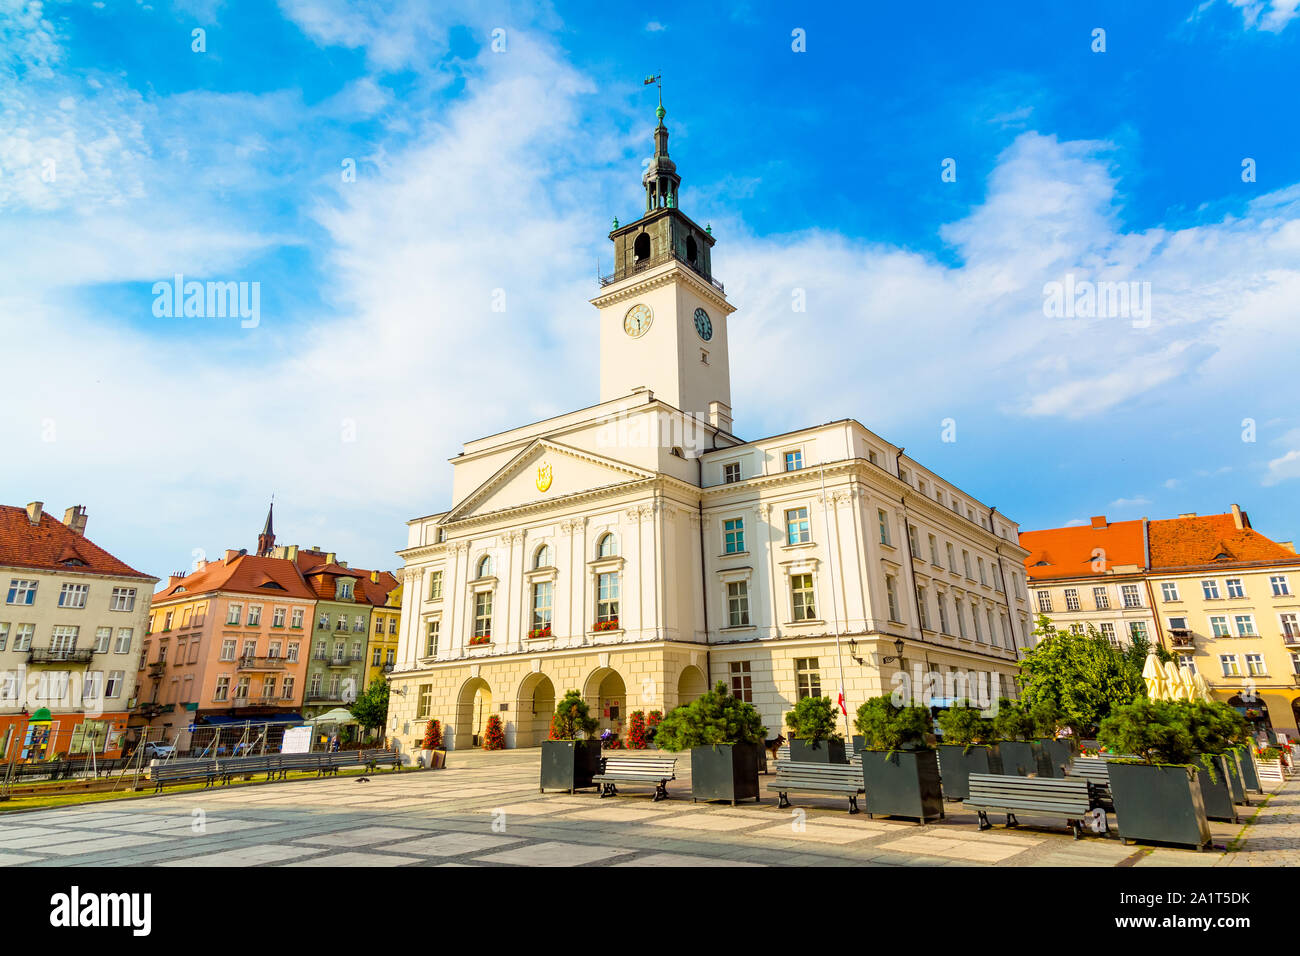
<point x="660" y="180"/>
<point x="266" y="540"/>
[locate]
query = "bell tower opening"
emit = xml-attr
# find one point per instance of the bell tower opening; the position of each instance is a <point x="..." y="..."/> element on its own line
<point x="692" y="250"/>
<point x="641" y="248"/>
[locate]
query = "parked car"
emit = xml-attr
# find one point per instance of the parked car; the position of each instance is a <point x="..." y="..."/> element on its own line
<point x="157" y="751"/>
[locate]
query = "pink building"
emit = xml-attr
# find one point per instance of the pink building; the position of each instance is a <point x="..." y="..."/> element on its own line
<point x="227" y="645"/>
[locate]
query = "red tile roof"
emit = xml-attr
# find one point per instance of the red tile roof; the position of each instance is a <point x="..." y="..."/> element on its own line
<point x="246" y="574"/>
<point x="1071" y="552"/>
<point x="50" y="545"/>
<point x="1213" y="540"/>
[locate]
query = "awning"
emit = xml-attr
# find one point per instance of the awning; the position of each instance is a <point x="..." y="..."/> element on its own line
<point x="222" y="720"/>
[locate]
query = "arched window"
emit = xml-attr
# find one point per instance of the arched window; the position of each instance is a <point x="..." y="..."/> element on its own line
<point x="543" y="557"/>
<point x="691" y="250"/>
<point x="641" y="248"/>
<point x="485" y="566"/>
<point x="607" y="547"/>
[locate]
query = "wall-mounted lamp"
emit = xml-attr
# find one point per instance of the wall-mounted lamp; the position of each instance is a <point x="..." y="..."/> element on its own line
<point x="898" y="653"/>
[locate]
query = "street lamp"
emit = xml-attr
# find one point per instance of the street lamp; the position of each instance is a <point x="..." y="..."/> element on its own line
<point x="898" y="653"/>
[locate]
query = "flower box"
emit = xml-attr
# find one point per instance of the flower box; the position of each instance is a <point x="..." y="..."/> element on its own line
<point x="478" y="641"/>
<point x="540" y="632"/>
<point x="610" y="625"/>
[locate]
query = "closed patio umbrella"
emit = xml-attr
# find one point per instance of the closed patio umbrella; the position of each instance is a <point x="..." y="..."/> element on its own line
<point x="1175" y="689"/>
<point x="1154" y="676"/>
<point x="1202" y="688"/>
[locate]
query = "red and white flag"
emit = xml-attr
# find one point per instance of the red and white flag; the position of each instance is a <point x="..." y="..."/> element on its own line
<point x="842" y="707"/>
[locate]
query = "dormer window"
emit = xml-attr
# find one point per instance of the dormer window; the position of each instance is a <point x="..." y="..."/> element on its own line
<point x="345" y="589"/>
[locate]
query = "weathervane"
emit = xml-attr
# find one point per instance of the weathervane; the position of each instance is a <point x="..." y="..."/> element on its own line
<point x="658" y="80"/>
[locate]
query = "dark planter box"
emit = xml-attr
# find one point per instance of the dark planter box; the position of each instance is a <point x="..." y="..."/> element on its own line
<point x="957" y="764"/>
<point x="1159" y="804"/>
<point x="823" y="751"/>
<point x="1249" y="769"/>
<point x="1019" y="758"/>
<point x="1216" y="794"/>
<point x="569" y="764"/>
<point x="859" y="744"/>
<point x="1236" y="778"/>
<point x="904" y="784"/>
<point x="1055" y="754"/>
<point x="725" y="772"/>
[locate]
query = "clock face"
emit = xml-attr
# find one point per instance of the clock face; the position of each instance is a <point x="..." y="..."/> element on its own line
<point x="702" y="324"/>
<point x="637" y="321"/>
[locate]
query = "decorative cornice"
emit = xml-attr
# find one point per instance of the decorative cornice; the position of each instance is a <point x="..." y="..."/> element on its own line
<point x="674" y="273"/>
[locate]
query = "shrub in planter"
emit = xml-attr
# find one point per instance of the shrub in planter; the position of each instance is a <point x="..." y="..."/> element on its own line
<point x="1157" y="795"/>
<point x="1019" y="753"/>
<point x="966" y="748"/>
<point x="813" y="737"/>
<point x="1216" y="728"/>
<point x="494" y="737"/>
<point x="636" y="735"/>
<point x="572" y="755"/>
<point x="900" y="774"/>
<point x="724" y="735"/>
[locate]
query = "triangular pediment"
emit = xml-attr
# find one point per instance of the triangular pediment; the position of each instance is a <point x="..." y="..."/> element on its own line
<point x="542" y="472"/>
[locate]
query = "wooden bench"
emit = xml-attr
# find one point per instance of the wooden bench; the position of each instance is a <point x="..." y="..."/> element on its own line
<point x="842" y="778"/>
<point x="615" y="770"/>
<point x="171" y="772"/>
<point x="287" y="763"/>
<point x="374" y="759"/>
<point x="1069" y="797"/>
<point x="1270" y="771"/>
<point x="1097" y="772"/>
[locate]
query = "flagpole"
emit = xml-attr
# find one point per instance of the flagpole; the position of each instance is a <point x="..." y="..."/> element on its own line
<point x="835" y="614"/>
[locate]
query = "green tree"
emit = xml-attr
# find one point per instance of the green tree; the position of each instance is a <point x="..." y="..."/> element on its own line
<point x="371" y="706"/>
<point x="1138" y="649"/>
<point x="884" y="726"/>
<point x="1083" y="676"/>
<point x="965" y="726"/>
<point x="572" y="718"/>
<point x="813" y="719"/>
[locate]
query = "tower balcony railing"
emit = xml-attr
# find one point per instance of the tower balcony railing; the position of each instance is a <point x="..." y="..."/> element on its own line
<point x="643" y="264"/>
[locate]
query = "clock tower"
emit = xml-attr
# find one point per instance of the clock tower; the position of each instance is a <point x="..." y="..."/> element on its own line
<point x="663" y="317"/>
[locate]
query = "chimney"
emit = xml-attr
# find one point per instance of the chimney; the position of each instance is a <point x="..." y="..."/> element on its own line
<point x="34" y="511"/>
<point x="292" y="554"/>
<point x="175" y="578"/>
<point x="374" y="577"/>
<point x="329" y="558"/>
<point x="75" y="519"/>
<point x="1237" y="517"/>
<point x="343" y="564"/>
<point x="231" y="554"/>
<point x="1099" y="522"/>
<point x="720" y="416"/>
<point x="1289" y="545"/>
<point x="1189" y="514"/>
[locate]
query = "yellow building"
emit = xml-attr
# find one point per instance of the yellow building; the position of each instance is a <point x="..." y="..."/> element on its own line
<point x="385" y="622"/>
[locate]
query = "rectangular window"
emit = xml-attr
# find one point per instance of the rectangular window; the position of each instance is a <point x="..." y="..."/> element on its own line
<point x="273" y="651"/>
<point x="277" y="617"/>
<point x="4" y="634"/>
<point x="1278" y="583"/>
<point x="1108" y="632"/>
<point x="731" y="472"/>
<point x="223" y="688"/>
<point x="1236" y="589"/>
<point x="1169" y="590"/>
<point x="961" y="617"/>
<point x="241" y="689"/>
<point x="965" y="563"/>
<point x="952" y="557"/>
<point x="913" y="541"/>
<point x="123" y="599"/>
<point x="1231" y="668"/>
<point x="345" y="589"/>
<point x="1255" y="665"/>
<point x="21" y="592"/>
<point x="807" y="677"/>
<point x="1219" y="625"/>
<point x="435" y="586"/>
<point x="287" y="693"/>
<point x="543" y="598"/>
<point x="1071" y="599"/>
<point x="228" y="649"/>
<point x="1137" y="630"/>
<point x="983" y="580"/>
<point x="742" y="685"/>
<point x="1101" y="598"/>
<point x="738" y="604"/>
<point x="793" y="460"/>
<point x="292" y="654"/>
<point x="113" y="688"/>
<point x="883" y="521"/>
<point x="943" y="613"/>
<point x="74" y="595"/>
<point x="891" y="596"/>
<point x="63" y="641"/>
<point x="1290" y="628"/>
<point x="103" y="639"/>
<point x="797" y="530"/>
<point x="424" y="707"/>
<point x="250" y="648"/>
<point x="607" y="597"/>
<point x="934" y="551"/>
<point x="803" y="605"/>
<point x="1210" y="589"/>
<point x="1187" y="660"/>
<point x="23" y="637"/>
<point x="1245" y="625"/>
<point x="296" y="619"/>
<point x="1045" y="602"/>
<point x="1130" y="594"/>
<point x="923" y="602"/>
<point x="233" y="613"/>
<point x="733" y="535"/>
<point x="255" y="616"/>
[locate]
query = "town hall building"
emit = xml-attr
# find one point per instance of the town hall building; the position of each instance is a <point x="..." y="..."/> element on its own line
<point x="639" y="550"/>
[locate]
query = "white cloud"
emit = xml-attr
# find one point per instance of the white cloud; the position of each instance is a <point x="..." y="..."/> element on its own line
<point x="1269" y="15"/>
<point x="1137" y="501"/>
<point x="1283" y="468"/>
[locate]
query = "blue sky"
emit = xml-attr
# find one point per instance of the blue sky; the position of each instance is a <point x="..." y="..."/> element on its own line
<point x="377" y="352"/>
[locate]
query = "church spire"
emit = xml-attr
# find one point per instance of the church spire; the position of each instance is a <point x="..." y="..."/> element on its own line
<point x="660" y="180"/>
<point x="266" y="540"/>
